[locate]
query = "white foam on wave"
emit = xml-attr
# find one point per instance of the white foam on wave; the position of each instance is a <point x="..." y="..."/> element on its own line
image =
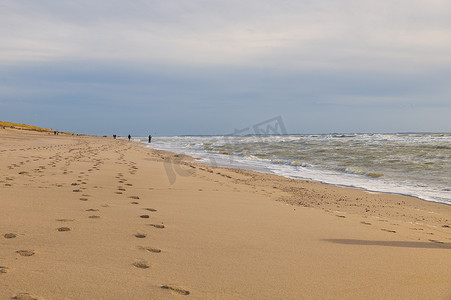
<point x="195" y="148"/>
<point x="359" y="181"/>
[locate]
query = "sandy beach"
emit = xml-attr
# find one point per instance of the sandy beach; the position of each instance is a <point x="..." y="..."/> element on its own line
<point x="97" y="218"/>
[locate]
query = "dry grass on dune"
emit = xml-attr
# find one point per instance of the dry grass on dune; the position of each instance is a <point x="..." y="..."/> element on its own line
<point x="27" y="127"/>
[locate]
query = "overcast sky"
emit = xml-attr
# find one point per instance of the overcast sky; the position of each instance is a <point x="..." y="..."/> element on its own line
<point x="210" y="67"/>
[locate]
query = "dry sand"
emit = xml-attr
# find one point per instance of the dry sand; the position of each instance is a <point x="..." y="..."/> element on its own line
<point x="97" y="218"/>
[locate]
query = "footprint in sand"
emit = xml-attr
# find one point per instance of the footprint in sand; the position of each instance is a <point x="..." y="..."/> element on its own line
<point x="141" y="264"/>
<point x="92" y="209"/>
<point x="435" y="241"/>
<point x="65" y="220"/>
<point x="134" y="202"/>
<point x="94" y="217"/>
<point x="175" y="290"/>
<point x="25" y="252"/>
<point x="25" y="296"/>
<point x="118" y="193"/>
<point x="150" y="209"/>
<point x="9" y="235"/>
<point x="388" y="230"/>
<point x="4" y="270"/>
<point x="150" y="249"/>
<point x="84" y="199"/>
<point x="144" y="216"/>
<point x="134" y="197"/>
<point x="140" y="235"/>
<point x="157" y="225"/>
<point x="62" y="229"/>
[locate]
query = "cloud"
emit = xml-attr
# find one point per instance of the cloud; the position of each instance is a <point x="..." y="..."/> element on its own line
<point x="303" y="34"/>
<point x="202" y="65"/>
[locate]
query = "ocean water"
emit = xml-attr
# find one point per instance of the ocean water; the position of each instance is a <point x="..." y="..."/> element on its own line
<point x="411" y="164"/>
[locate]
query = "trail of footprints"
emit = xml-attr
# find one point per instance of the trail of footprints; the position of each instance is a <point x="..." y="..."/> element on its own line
<point x="143" y="264"/>
<point x="80" y="152"/>
<point x="36" y="166"/>
<point x="411" y="228"/>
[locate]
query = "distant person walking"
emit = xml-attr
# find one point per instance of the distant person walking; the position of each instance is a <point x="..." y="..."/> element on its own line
<point x="150" y="138"/>
<point x="114" y="136"/>
<point x="129" y="137"/>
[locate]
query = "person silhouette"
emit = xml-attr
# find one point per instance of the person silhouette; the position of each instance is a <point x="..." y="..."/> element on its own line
<point x="129" y="137"/>
<point x="150" y="138"/>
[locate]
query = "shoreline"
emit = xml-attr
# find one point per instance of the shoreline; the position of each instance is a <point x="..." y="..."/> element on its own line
<point x="391" y="198"/>
<point x="303" y="179"/>
<point x="91" y="217"/>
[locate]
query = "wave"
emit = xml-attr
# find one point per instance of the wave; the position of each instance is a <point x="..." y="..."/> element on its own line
<point x="352" y="170"/>
<point x="414" y="164"/>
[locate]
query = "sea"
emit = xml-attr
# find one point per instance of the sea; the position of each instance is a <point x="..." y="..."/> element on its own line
<point x="414" y="164"/>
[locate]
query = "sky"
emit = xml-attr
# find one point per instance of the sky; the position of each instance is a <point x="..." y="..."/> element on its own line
<point x="193" y="67"/>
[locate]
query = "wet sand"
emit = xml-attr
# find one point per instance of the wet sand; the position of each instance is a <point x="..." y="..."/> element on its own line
<point x="96" y="218"/>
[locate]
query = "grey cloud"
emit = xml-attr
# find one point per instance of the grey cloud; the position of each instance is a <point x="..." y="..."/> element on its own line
<point x="188" y="63"/>
<point x="271" y="33"/>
